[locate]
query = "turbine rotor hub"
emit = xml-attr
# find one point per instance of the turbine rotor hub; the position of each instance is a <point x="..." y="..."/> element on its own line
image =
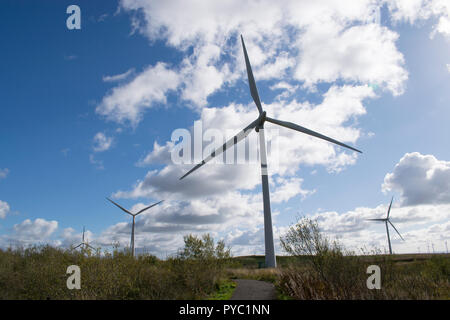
<point x="262" y="119"/>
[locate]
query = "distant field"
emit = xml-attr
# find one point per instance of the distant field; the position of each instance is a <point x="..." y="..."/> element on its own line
<point x="257" y="261"/>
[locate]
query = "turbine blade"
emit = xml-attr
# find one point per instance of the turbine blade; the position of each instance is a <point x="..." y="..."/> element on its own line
<point x="396" y="230"/>
<point x="148" y="207"/>
<point x="77" y="246"/>
<point x="376" y="219"/>
<point x="240" y="136"/>
<point x="294" y="126"/>
<point x="251" y="79"/>
<point x="120" y="207"/>
<point x="389" y="210"/>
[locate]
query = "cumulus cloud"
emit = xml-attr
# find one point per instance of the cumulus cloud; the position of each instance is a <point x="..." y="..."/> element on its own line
<point x="416" y="10"/>
<point x="417" y="224"/>
<point x="4" y="209"/>
<point x="102" y="142"/>
<point x="69" y="237"/>
<point x="294" y="149"/>
<point x="163" y="226"/>
<point x="29" y="231"/>
<point x="127" y="102"/>
<point x="159" y="155"/>
<point x="421" y="179"/>
<point x="363" y="53"/>
<point x="296" y="41"/>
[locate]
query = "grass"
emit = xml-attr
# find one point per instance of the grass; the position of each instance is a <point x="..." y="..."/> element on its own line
<point x="269" y="275"/>
<point x="224" y="290"/>
<point x="404" y="276"/>
<point x="39" y="273"/>
<point x="204" y="271"/>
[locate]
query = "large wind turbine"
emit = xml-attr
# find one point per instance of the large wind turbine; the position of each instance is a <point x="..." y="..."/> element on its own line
<point x="386" y="221"/>
<point x="134" y="217"/>
<point x="258" y="125"/>
<point x="83" y="243"/>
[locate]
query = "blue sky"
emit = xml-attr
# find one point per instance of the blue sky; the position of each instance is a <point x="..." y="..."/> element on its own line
<point x="61" y="88"/>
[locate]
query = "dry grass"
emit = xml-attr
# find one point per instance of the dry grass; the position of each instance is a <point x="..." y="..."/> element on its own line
<point x="421" y="280"/>
<point x="269" y="274"/>
<point x="331" y="272"/>
<point x="40" y="273"/>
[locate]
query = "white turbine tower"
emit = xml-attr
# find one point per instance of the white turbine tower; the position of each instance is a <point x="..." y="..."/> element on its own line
<point x="134" y="217"/>
<point x="258" y="125"/>
<point x="386" y="221"/>
<point x="84" y="244"/>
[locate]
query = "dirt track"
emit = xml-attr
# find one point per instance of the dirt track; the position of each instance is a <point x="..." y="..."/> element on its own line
<point x="253" y="290"/>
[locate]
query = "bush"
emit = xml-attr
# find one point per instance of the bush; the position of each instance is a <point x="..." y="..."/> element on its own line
<point x="332" y="272"/>
<point x="40" y="273"/>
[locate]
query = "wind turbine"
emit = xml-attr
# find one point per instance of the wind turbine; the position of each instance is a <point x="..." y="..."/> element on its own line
<point x="258" y="125"/>
<point x="83" y="243"/>
<point x="386" y="221"/>
<point x="134" y="217"/>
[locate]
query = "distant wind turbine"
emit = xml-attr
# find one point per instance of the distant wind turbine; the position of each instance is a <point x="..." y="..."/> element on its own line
<point x="258" y="125"/>
<point x="386" y="221"/>
<point x="134" y="217"/>
<point x="84" y="244"/>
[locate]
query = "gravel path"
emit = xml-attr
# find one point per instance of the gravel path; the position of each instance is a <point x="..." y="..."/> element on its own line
<point x="253" y="290"/>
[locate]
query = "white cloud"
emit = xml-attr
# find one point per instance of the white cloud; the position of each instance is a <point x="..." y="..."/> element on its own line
<point x="297" y="41"/>
<point x="287" y="189"/>
<point x="415" y="10"/>
<point x="159" y="155"/>
<point x="332" y="117"/>
<point x="421" y="179"/>
<point x="363" y="53"/>
<point x="162" y="228"/>
<point x="287" y="89"/>
<point x="4" y="173"/>
<point x="201" y="77"/>
<point x="127" y="102"/>
<point x="69" y="237"/>
<point x="4" y="209"/>
<point x="417" y="225"/>
<point x="118" y="77"/>
<point x="32" y="231"/>
<point x="102" y="142"/>
<point x="276" y="69"/>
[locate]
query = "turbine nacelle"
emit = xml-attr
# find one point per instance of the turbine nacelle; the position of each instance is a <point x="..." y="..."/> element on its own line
<point x="262" y="119"/>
